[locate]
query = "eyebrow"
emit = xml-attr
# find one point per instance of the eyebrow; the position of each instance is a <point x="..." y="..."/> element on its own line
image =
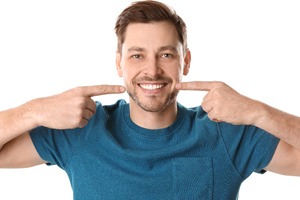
<point x="140" y="49"/>
<point x="169" y="47"/>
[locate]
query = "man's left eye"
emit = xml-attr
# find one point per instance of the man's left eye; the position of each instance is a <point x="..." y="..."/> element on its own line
<point x="167" y="55"/>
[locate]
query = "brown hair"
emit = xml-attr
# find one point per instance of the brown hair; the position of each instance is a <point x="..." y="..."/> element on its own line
<point x="149" y="11"/>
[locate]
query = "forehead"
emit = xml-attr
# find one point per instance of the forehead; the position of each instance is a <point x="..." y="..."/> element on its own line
<point x="151" y="35"/>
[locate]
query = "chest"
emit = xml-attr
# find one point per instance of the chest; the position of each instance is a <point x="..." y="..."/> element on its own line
<point x="105" y="170"/>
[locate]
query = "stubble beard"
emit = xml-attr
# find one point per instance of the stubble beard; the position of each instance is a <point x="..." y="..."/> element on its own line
<point x="154" y="103"/>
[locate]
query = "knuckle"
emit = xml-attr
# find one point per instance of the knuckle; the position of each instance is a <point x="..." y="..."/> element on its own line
<point x="78" y="121"/>
<point x="78" y="90"/>
<point x="222" y="84"/>
<point x="103" y="89"/>
<point x="90" y="115"/>
<point x="82" y="124"/>
<point x="82" y="103"/>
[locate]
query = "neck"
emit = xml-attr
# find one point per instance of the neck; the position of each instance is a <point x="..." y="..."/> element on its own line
<point x="153" y="120"/>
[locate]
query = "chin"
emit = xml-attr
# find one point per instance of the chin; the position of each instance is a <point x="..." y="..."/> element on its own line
<point x="154" y="106"/>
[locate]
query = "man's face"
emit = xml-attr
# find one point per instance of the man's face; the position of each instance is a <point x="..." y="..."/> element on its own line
<point x="151" y="62"/>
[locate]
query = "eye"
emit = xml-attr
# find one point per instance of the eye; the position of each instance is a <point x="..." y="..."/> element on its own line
<point x="136" y="56"/>
<point x="167" y="55"/>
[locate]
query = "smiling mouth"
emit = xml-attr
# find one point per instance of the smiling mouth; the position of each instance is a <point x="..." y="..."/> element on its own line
<point x="148" y="86"/>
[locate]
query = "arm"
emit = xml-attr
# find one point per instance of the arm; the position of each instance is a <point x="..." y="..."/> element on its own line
<point x="222" y="103"/>
<point x="70" y="109"/>
<point x="16" y="148"/>
<point x="285" y="126"/>
<point x="281" y="124"/>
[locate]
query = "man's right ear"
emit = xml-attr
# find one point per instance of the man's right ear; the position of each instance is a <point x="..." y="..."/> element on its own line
<point x="118" y="65"/>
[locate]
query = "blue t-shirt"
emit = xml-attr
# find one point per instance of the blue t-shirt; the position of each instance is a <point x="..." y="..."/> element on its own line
<point x="194" y="158"/>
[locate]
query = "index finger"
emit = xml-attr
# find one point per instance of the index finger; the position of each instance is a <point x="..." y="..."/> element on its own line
<point x="97" y="90"/>
<point x="197" y="85"/>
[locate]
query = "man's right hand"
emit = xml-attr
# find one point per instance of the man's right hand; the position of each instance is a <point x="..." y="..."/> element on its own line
<point x="70" y="109"/>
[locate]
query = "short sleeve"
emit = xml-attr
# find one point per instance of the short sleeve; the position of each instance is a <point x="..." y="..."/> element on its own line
<point x="55" y="146"/>
<point x="250" y="148"/>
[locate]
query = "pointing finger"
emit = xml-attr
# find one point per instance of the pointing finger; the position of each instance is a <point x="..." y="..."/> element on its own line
<point x="197" y="85"/>
<point x="96" y="90"/>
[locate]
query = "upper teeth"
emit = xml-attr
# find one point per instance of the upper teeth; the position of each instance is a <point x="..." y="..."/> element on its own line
<point x="151" y="86"/>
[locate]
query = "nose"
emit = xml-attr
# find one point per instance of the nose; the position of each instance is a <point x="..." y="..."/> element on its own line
<point x="152" y="67"/>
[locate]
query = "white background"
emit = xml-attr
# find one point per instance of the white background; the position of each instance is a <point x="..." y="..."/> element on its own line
<point x="47" y="47"/>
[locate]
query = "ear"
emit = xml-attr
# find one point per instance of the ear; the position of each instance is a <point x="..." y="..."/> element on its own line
<point x="187" y="62"/>
<point x="118" y="64"/>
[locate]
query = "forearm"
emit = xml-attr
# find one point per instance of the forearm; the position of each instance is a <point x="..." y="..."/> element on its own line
<point x="16" y="121"/>
<point x="281" y="124"/>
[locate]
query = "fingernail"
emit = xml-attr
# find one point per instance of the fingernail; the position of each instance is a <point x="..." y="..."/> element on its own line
<point x="122" y="89"/>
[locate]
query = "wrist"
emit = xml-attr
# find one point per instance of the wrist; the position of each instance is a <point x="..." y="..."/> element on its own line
<point x="262" y="114"/>
<point x="256" y="112"/>
<point x="31" y="114"/>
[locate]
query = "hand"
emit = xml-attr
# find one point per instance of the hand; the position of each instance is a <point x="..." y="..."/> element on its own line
<point x="70" y="109"/>
<point x="222" y="103"/>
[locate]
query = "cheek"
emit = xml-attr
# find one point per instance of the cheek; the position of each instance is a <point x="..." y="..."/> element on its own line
<point x="126" y="77"/>
<point x="126" y="83"/>
<point x="120" y="71"/>
<point x="176" y="74"/>
<point x="179" y="78"/>
<point x="130" y="71"/>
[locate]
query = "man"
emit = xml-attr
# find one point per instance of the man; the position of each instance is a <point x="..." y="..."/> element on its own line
<point x="153" y="147"/>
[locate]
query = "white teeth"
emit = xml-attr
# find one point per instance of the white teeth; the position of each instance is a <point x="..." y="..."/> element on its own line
<point x="151" y="86"/>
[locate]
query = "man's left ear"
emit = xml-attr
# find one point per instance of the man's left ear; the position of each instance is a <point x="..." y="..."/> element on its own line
<point x="118" y="66"/>
<point x="187" y="62"/>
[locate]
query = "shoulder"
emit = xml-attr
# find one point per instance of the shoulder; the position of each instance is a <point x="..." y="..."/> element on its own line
<point x="110" y="108"/>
